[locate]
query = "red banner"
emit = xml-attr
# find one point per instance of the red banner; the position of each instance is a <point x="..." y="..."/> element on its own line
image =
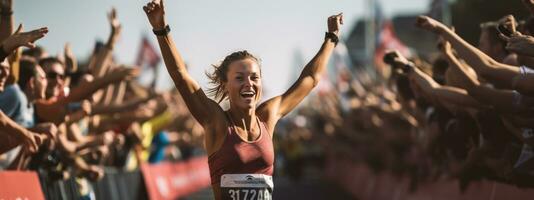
<point x="20" y="185"/>
<point x="174" y="180"/>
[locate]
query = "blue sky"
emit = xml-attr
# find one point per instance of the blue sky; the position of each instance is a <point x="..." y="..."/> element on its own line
<point x="205" y="30"/>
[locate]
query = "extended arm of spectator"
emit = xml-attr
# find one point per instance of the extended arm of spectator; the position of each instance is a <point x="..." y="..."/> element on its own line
<point x="502" y="100"/>
<point x="484" y="65"/>
<point x="117" y="108"/>
<point x="102" y="58"/>
<point x="28" y="138"/>
<point x="19" y="39"/>
<point x="83" y="91"/>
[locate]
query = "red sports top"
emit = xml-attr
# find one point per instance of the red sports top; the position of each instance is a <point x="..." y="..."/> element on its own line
<point x="237" y="156"/>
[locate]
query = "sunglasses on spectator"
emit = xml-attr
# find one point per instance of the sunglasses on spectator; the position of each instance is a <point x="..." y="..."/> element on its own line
<point x="54" y="75"/>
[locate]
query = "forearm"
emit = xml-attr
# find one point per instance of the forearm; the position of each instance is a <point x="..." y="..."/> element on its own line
<point x="523" y="84"/>
<point x="101" y="62"/>
<point x="10" y="127"/>
<point x="315" y="68"/>
<point x="116" y="108"/>
<point x="175" y="65"/>
<point x="467" y="80"/>
<point x="484" y="65"/>
<point x="502" y="100"/>
<point x="473" y="56"/>
<point x="85" y="90"/>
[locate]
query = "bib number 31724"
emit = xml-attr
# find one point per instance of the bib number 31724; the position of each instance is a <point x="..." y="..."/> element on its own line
<point x="246" y="187"/>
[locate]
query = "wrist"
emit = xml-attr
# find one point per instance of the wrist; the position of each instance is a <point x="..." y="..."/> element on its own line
<point x="163" y="31"/>
<point x="332" y="37"/>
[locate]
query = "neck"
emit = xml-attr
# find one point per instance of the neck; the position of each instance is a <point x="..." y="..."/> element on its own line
<point x="243" y="118"/>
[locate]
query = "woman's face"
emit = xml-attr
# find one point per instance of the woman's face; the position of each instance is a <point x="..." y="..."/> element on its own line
<point x="243" y="84"/>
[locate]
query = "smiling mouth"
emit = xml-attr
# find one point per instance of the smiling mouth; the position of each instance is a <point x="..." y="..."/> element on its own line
<point x="248" y="94"/>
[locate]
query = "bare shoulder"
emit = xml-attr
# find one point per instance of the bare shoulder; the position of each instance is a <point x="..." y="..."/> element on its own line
<point x="268" y="112"/>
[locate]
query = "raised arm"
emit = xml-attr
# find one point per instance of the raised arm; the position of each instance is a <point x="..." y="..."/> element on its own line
<point x="505" y="101"/>
<point x="83" y="91"/>
<point x="196" y="100"/>
<point x="279" y="106"/>
<point x="102" y="59"/>
<point x="19" y="39"/>
<point x="484" y="65"/>
<point x="436" y="93"/>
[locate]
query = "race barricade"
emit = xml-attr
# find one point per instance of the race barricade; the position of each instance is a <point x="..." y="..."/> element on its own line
<point x="169" y="180"/>
<point x="20" y="185"/>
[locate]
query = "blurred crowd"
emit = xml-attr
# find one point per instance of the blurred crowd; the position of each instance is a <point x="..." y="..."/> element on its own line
<point x="73" y="119"/>
<point x="462" y="113"/>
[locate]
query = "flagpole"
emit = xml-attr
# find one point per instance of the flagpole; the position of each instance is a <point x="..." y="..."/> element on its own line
<point x="370" y="37"/>
<point x="446" y="12"/>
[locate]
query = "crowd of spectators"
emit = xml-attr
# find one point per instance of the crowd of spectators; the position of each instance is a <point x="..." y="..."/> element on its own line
<point x="464" y="113"/>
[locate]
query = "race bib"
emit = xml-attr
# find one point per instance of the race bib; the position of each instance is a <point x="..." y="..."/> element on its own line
<point x="246" y="187"/>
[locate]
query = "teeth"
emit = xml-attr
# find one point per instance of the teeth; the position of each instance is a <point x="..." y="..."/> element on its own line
<point x="247" y="93"/>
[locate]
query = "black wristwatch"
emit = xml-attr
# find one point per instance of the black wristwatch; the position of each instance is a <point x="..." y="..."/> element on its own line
<point x="332" y="37"/>
<point x="162" y="32"/>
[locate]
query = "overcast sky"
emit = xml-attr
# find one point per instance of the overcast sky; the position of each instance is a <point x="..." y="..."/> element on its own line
<point x="205" y="30"/>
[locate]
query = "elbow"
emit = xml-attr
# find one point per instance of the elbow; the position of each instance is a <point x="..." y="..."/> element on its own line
<point x="315" y="80"/>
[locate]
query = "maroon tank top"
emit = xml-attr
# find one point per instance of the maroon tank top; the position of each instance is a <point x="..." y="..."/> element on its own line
<point x="237" y="156"/>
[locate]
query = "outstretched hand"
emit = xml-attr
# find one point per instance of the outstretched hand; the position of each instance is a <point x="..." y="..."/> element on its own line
<point x="124" y="73"/>
<point x="397" y="61"/>
<point x="519" y="43"/>
<point x="509" y="23"/>
<point x="70" y="60"/>
<point x="429" y="24"/>
<point x="334" y="23"/>
<point x="20" y="38"/>
<point x="155" y="11"/>
<point x="113" y="21"/>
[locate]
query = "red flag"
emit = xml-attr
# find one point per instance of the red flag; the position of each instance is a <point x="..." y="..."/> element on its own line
<point x="387" y="40"/>
<point x="147" y="55"/>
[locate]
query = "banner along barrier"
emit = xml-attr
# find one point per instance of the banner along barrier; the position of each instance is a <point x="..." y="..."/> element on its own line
<point x="174" y="180"/>
<point x="363" y="183"/>
<point x="20" y="185"/>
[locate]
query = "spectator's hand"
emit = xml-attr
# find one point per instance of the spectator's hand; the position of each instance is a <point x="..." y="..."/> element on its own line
<point x="31" y="142"/>
<point x="94" y="173"/>
<point x="334" y="23"/>
<point x="20" y="38"/>
<point x="49" y="129"/>
<point x="397" y="61"/>
<point x="520" y="44"/>
<point x="114" y="22"/>
<point x="155" y="11"/>
<point x="71" y="64"/>
<point x="429" y="24"/>
<point x="509" y="23"/>
<point x="444" y="46"/>
<point x="126" y="73"/>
